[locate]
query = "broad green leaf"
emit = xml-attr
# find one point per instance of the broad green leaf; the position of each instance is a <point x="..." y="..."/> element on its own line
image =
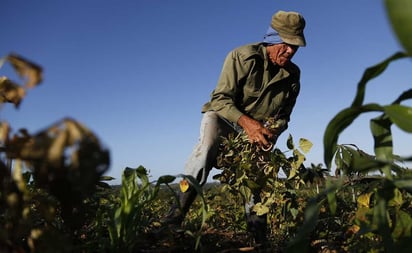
<point x="342" y="120"/>
<point x="331" y="194"/>
<point x="405" y="184"/>
<point x="400" y="16"/>
<point x="403" y="226"/>
<point x="166" y="179"/>
<point x="382" y="135"/>
<point x="401" y="116"/>
<point x="380" y="218"/>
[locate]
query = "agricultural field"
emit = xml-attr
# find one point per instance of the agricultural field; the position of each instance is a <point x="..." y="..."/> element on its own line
<point x="55" y="197"/>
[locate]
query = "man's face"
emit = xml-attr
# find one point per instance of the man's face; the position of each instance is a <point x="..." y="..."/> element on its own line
<point x="282" y="53"/>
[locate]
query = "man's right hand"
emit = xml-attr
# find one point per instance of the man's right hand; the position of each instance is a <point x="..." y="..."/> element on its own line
<point x="255" y="131"/>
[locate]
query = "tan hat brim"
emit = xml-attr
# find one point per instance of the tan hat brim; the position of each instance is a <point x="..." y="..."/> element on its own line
<point x="293" y="40"/>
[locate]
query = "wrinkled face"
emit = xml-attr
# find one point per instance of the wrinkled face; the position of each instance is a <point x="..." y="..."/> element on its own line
<point x="281" y="54"/>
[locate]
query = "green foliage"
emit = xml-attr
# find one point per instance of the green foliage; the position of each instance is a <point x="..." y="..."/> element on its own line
<point x="247" y="169"/>
<point x="130" y="218"/>
<point x="54" y="198"/>
<point x="399" y="14"/>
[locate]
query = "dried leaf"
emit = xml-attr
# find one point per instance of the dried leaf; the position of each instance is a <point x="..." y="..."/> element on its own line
<point x="74" y="132"/>
<point x="11" y="92"/>
<point x="4" y="132"/>
<point x="26" y="69"/>
<point x="55" y="153"/>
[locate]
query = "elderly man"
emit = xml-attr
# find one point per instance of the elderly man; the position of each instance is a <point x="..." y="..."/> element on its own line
<point x="257" y="81"/>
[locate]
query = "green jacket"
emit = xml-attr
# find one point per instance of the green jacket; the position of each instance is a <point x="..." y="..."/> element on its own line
<point x="250" y="84"/>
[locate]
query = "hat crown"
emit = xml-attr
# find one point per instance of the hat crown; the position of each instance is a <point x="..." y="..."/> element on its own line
<point x="289" y="25"/>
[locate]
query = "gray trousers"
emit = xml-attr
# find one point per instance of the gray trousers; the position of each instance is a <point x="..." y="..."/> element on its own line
<point x="203" y="157"/>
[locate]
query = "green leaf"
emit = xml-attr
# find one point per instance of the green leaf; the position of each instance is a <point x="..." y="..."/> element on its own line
<point x="397" y="199"/>
<point x="330" y="190"/>
<point x="371" y="73"/>
<point x="400" y="16"/>
<point x="405" y="184"/>
<point x="289" y="142"/>
<point x="252" y="184"/>
<point x="106" y="178"/>
<point x="166" y="179"/>
<point x="401" y="116"/>
<point x="382" y="134"/>
<point x="342" y="120"/>
<point x="403" y="226"/>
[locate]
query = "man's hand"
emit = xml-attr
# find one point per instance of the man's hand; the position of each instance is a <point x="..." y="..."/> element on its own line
<point x="256" y="132"/>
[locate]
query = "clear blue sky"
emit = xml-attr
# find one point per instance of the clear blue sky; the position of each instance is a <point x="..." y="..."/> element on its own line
<point x="137" y="72"/>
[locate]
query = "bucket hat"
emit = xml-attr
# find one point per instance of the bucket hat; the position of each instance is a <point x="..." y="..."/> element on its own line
<point x="290" y="25"/>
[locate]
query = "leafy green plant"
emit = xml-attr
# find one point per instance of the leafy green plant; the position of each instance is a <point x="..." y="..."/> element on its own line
<point x="247" y="169"/>
<point x="383" y="213"/>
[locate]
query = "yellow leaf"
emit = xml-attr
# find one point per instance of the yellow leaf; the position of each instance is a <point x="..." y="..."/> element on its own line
<point x="305" y="145"/>
<point x="353" y="230"/>
<point x="364" y="200"/>
<point x="184" y="185"/>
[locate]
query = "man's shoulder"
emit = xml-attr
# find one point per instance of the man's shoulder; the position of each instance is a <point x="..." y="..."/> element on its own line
<point x="248" y="50"/>
<point x="251" y="47"/>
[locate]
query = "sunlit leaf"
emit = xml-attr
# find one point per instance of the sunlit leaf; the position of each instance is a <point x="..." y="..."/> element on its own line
<point x="364" y="200"/>
<point x="397" y="199"/>
<point x="401" y="116"/>
<point x="400" y="15"/>
<point x="26" y="69"/>
<point x="305" y="145"/>
<point x="260" y="209"/>
<point x="342" y="120"/>
<point x="184" y="185"/>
